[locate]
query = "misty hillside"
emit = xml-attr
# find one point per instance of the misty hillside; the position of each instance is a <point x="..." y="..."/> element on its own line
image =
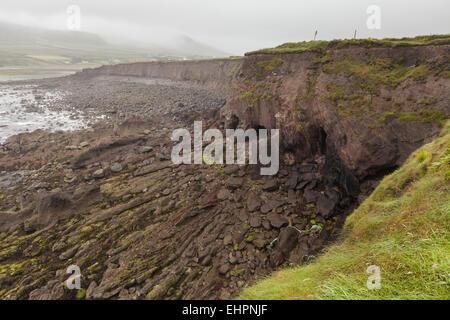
<point x="185" y="44"/>
<point x="34" y="48"/>
<point x="15" y="35"/>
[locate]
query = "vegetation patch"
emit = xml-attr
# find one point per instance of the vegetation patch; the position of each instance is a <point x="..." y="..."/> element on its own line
<point x="347" y="104"/>
<point x="371" y="74"/>
<point x="270" y="65"/>
<point x="366" y="77"/>
<point x="233" y="70"/>
<point x="321" y="46"/>
<point x="81" y="294"/>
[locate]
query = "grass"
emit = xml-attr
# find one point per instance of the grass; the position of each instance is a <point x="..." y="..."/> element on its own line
<point x="295" y="47"/>
<point x="403" y="228"/>
<point x="270" y="65"/>
<point x="372" y="73"/>
<point x="366" y="77"/>
<point x="81" y="294"/>
<point x="65" y="56"/>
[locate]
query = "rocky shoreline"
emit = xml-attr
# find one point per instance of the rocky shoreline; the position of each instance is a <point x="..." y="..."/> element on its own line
<point x="109" y="200"/>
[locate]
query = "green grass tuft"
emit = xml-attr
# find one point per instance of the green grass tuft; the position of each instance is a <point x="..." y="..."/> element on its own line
<point x="81" y="294"/>
<point x="321" y="46"/>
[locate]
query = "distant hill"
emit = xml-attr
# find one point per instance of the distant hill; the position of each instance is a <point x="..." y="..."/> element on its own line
<point x="185" y="44"/>
<point x="41" y="48"/>
<point x="15" y="35"/>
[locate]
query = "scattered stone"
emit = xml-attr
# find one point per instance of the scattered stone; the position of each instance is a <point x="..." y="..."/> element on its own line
<point x="307" y="168"/>
<point x="276" y="220"/>
<point x="253" y="201"/>
<point x="311" y="196"/>
<point x="307" y="177"/>
<point x="292" y="197"/>
<point x="223" y="269"/>
<point x="116" y="167"/>
<point x="40" y="185"/>
<point x="230" y="169"/>
<point x="287" y="240"/>
<point x="259" y="243"/>
<point x="145" y="149"/>
<point x="237" y="196"/>
<point x="234" y="183"/>
<point x="271" y="205"/>
<point x="292" y="182"/>
<point x="58" y="246"/>
<point x="161" y="157"/>
<point x="255" y="221"/>
<point x="91" y="290"/>
<point x="242" y="215"/>
<point x="69" y="253"/>
<point x="100" y="173"/>
<point x="270" y="185"/>
<point x="227" y="240"/>
<point x="289" y="159"/>
<point x="266" y="224"/>
<point x="326" y="206"/>
<point x="223" y="194"/>
<point x="301" y="185"/>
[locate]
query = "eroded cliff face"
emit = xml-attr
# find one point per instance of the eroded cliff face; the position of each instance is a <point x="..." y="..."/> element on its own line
<point x="110" y="200"/>
<point x="210" y="73"/>
<point x="363" y="109"/>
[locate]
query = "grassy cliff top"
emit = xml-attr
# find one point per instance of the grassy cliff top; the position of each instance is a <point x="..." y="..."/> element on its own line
<point x="403" y="228"/>
<point x="320" y="45"/>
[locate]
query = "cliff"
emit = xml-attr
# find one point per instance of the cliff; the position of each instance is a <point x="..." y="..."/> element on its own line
<point x="211" y="73"/>
<point x="364" y="107"/>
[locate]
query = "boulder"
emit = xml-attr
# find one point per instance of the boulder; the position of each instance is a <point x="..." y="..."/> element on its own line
<point x="276" y="220"/>
<point x="223" y="194"/>
<point x="270" y="185"/>
<point x="326" y="206"/>
<point x="100" y="173"/>
<point x="116" y="167"/>
<point x="291" y="183"/>
<point x="234" y="183"/>
<point x="271" y="205"/>
<point x="255" y="221"/>
<point x="230" y="169"/>
<point x="287" y="240"/>
<point x="253" y="201"/>
<point x="224" y="268"/>
<point x="311" y="196"/>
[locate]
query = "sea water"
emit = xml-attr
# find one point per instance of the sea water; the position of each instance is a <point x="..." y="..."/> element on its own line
<point x="25" y="108"/>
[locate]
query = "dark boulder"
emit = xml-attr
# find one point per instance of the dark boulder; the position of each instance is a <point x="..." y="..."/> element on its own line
<point x="277" y="220"/>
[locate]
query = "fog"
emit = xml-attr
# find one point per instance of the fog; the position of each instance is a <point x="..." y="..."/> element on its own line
<point x="234" y="26"/>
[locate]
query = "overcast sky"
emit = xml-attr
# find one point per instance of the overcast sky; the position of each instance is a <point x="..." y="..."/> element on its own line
<point x="235" y="26"/>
